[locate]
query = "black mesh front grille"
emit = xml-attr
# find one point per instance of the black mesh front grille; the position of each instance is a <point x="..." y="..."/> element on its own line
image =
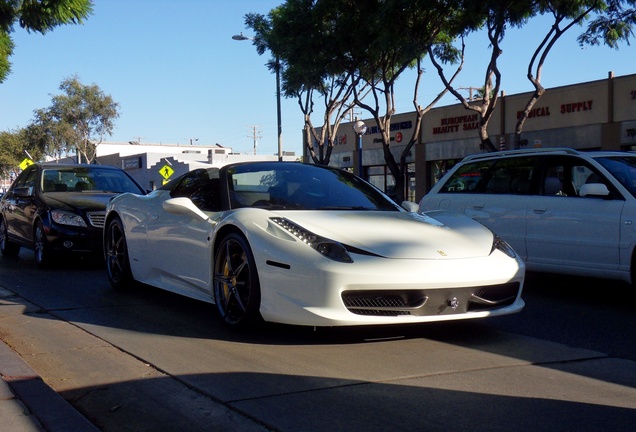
<point x="375" y="302"/>
<point x="379" y="312"/>
<point x="383" y="303"/>
<point x="442" y="301"/>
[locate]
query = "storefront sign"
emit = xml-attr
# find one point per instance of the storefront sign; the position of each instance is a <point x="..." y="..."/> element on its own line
<point x="628" y="133"/>
<point x="394" y="127"/>
<point x="457" y="123"/>
<point x="131" y="163"/>
<point x="568" y="108"/>
<point x="536" y="112"/>
<point x="576" y="107"/>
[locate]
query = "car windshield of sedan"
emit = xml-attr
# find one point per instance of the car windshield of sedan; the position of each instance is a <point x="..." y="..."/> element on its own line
<point x="83" y="179"/>
<point x="623" y="168"/>
<point x="302" y="187"/>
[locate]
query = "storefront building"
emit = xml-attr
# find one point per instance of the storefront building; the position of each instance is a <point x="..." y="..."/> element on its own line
<point x="596" y="115"/>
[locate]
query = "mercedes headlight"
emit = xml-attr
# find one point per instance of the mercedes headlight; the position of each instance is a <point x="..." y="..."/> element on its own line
<point x="67" y="218"/>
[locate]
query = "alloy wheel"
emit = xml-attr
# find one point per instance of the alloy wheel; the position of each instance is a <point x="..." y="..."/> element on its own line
<point x="236" y="286"/>
<point x="41" y="246"/>
<point x="116" y="252"/>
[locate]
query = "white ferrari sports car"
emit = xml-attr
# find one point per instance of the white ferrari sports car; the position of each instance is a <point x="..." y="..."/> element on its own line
<point x="307" y="245"/>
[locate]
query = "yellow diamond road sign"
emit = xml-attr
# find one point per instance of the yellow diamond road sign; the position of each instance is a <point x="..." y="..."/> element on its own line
<point x="25" y="163"/>
<point x="166" y="171"/>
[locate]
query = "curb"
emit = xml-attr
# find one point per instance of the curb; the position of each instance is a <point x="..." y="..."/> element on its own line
<point x="50" y="409"/>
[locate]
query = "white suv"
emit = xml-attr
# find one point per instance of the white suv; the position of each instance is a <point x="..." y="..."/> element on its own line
<point x="563" y="211"/>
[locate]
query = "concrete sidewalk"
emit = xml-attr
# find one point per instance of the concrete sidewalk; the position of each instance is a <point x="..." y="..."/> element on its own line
<point x="27" y="403"/>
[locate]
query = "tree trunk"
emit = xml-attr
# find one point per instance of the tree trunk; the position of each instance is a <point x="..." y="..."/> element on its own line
<point x="486" y="143"/>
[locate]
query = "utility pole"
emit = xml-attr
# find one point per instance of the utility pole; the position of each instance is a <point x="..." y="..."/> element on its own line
<point x="353" y="115"/>
<point x="470" y="91"/>
<point x="256" y="135"/>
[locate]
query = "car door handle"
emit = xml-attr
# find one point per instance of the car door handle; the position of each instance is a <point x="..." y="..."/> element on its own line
<point x="540" y="210"/>
<point x="478" y="206"/>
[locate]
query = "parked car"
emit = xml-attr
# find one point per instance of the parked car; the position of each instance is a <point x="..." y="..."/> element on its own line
<point x="562" y="210"/>
<point x="307" y="245"/>
<point x="53" y="208"/>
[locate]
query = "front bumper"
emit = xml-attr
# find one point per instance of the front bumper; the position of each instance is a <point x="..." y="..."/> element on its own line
<point x="383" y="291"/>
<point x="64" y="238"/>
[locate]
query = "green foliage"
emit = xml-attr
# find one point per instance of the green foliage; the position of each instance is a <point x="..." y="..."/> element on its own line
<point x="346" y="50"/>
<point x="38" y="16"/>
<point x="12" y="150"/>
<point x="44" y="15"/>
<point x="6" y="49"/>
<point x="613" y="24"/>
<point x="50" y="136"/>
<point x="338" y="47"/>
<point x="77" y="119"/>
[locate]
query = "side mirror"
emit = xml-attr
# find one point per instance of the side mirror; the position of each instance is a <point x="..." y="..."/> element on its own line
<point x="594" y="189"/>
<point x="410" y="206"/>
<point x="23" y="192"/>
<point x="183" y="206"/>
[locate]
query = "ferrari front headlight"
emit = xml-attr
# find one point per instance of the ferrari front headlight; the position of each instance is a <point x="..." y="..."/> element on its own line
<point x="67" y="218"/>
<point x="501" y="245"/>
<point x="328" y="248"/>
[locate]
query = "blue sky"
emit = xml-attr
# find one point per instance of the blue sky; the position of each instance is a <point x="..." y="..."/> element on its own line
<point x="178" y="75"/>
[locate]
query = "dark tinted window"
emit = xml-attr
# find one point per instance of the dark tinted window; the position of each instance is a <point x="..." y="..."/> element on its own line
<point x="467" y="177"/>
<point x="202" y="187"/>
<point x="89" y="179"/>
<point x="27" y="178"/>
<point x="565" y="175"/>
<point x="296" y="186"/>
<point x="623" y="168"/>
<point x="498" y="176"/>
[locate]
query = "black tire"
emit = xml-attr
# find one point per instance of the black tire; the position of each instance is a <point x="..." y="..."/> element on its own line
<point x="116" y="255"/>
<point x="41" y="246"/>
<point x="7" y="247"/>
<point x="237" y="291"/>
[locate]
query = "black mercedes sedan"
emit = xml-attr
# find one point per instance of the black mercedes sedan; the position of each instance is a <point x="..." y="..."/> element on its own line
<point x="55" y="208"/>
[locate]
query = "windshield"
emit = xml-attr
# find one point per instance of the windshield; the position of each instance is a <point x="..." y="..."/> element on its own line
<point x="623" y="168"/>
<point x="82" y="179"/>
<point x="296" y="186"/>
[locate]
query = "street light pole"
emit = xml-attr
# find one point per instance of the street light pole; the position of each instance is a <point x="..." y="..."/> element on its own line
<point x="241" y="37"/>
<point x="278" y="116"/>
<point x="360" y="129"/>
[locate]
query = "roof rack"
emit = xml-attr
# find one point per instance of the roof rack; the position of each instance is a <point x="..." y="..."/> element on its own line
<point x="502" y="153"/>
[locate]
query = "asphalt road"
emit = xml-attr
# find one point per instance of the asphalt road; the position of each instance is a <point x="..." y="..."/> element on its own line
<point x="146" y="360"/>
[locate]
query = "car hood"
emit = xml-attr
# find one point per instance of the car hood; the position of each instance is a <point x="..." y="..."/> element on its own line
<point x="77" y="200"/>
<point x="403" y="235"/>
